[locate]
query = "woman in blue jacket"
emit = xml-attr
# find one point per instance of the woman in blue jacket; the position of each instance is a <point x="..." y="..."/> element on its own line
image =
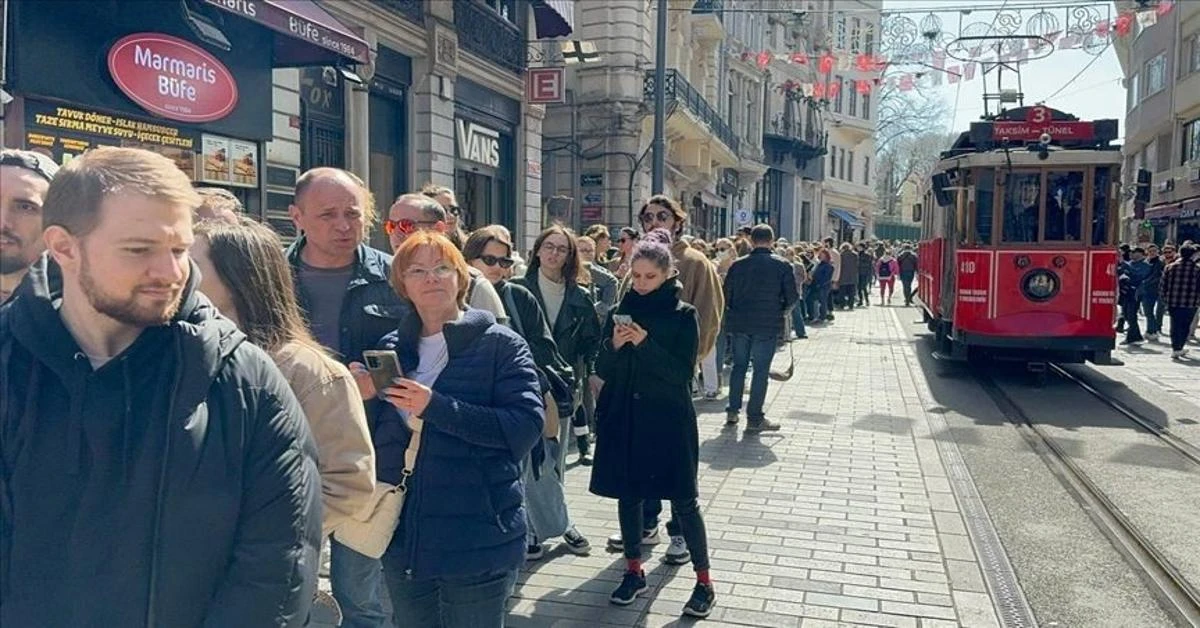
<point x="471" y="392"/>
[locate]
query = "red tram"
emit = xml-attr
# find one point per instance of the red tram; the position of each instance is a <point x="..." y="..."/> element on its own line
<point x="1018" y="240"/>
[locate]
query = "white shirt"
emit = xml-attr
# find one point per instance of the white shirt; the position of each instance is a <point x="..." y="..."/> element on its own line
<point x="433" y="355"/>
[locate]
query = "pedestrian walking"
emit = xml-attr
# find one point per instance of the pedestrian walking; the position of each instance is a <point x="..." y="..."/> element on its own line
<point x="907" y="262"/>
<point x="847" y="279"/>
<point x="886" y="269"/>
<point x="155" y="467"/>
<point x="1181" y="292"/>
<point x="760" y="289"/>
<point x="469" y="392"/>
<point x="648" y="445"/>
<point x="1131" y="280"/>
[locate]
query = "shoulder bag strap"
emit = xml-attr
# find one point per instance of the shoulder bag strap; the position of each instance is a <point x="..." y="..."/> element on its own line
<point x="417" y="425"/>
<point x="514" y="313"/>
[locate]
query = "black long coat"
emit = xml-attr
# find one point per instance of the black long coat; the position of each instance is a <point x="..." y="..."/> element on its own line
<point x="647" y="446"/>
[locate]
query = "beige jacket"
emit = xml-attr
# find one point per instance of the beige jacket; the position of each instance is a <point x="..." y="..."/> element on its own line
<point x="338" y="420"/>
<point x="701" y="287"/>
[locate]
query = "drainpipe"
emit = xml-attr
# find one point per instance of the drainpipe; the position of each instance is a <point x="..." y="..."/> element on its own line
<point x="3" y="62"/>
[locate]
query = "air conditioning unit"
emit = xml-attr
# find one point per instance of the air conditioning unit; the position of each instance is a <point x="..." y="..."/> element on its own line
<point x="1193" y="174"/>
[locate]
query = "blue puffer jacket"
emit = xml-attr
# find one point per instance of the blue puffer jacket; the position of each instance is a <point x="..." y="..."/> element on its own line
<point x="464" y="513"/>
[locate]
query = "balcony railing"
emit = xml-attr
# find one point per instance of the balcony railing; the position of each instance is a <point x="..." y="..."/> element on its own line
<point x="678" y="89"/>
<point x="786" y="135"/>
<point x="412" y="10"/>
<point x="715" y="7"/>
<point x="483" y="32"/>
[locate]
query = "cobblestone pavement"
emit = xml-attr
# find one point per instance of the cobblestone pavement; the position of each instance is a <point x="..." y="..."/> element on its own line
<point x="845" y="517"/>
<point x="1151" y="361"/>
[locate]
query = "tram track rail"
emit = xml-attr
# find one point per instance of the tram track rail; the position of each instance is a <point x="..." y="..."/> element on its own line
<point x="1178" y="596"/>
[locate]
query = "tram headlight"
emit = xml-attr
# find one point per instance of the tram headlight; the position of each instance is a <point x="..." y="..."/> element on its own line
<point x="1022" y="261"/>
<point x="1040" y="285"/>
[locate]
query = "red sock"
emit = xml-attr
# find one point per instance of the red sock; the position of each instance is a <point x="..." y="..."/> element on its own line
<point x="702" y="576"/>
<point x="633" y="565"/>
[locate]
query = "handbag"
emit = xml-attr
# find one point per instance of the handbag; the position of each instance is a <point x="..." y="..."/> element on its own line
<point x="370" y="532"/>
<point x="785" y="375"/>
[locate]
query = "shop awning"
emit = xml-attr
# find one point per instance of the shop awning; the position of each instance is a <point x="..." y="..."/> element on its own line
<point x="311" y="36"/>
<point x="1164" y="210"/>
<point x="553" y="18"/>
<point x="848" y="217"/>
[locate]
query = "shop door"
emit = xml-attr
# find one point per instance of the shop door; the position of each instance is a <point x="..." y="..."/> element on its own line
<point x="386" y="161"/>
<point x="476" y="193"/>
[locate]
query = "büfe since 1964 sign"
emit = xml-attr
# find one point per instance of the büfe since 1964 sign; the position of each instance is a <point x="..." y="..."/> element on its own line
<point x="172" y="78"/>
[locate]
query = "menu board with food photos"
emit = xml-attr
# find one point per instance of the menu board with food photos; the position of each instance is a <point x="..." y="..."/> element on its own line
<point x="226" y="161"/>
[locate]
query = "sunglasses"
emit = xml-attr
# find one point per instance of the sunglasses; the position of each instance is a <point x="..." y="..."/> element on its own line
<point x="492" y="260"/>
<point x="649" y="217"/>
<point x="30" y="161"/>
<point x="454" y="210"/>
<point x="405" y="226"/>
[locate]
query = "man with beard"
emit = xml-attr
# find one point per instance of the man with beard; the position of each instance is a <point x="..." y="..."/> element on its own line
<point x="155" y="468"/>
<point x="24" y="178"/>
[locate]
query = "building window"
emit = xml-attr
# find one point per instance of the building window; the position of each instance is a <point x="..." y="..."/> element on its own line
<point x="866" y="171"/>
<point x="849" y="86"/>
<point x="1191" y="141"/>
<point x="841" y="32"/>
<point x="866" y="106"/>
<point x="1194" y="58"/>
<point x="841" y="163"/>
<point x="1156" y="74"/>
<point x="869" y="40"/>
<point x="1131" y="92"/>
<point x="850" y="167"/>
<point x="506" y="8"/>
<point x="855" y="35"/>
<point x="837" y="100"/>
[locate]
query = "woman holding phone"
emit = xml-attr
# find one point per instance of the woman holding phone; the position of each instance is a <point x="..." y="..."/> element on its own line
<point x="647" y="445"/>
<point x="470" y="391"/>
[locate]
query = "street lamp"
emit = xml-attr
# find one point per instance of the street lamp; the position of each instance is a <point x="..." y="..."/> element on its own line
<point x="658" y="144"/>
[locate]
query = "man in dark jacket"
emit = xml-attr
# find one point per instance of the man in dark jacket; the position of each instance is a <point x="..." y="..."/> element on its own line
<point x="155" y="468"/>
<point x="24" y="178"/>
<point x="342" y="285"/>
<point x="907" y="260"/>
<point x="759" y="291"/>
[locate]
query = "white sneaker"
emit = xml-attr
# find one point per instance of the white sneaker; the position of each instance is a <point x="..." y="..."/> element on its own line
<point x="649" y="537"/>
<point x="1175" y="355"/>
<point x="677" y="552"/>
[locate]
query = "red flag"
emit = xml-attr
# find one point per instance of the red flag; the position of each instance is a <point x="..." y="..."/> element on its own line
<point x="764" y="59"/>
<point x="953" y="74"/>
<point x="1103" y="28"/>
<point x="969" y="71"/>
<point x="826" y="63"/>
<point x="819" y="91"/>
<point x="1124" y="24"/>
<point x="799" y="58"/>
<point x="864" y="62"/>
<point x="1164" y="7"/>
<point x="834" y="88"/>
<point x="862" y="86"/>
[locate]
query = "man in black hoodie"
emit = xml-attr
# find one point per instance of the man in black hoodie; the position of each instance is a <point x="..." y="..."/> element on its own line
<point x="155" y="469"/>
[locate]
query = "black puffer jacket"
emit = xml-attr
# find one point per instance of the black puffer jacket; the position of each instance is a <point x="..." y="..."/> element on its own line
<point x="174" y="486"/>
<point x="759" y="289"/>
<point x="577" y="329"/>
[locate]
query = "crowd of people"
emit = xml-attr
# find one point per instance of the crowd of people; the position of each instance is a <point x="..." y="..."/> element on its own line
<point x="190" y="410"/>
<point x="1155" y="283"/>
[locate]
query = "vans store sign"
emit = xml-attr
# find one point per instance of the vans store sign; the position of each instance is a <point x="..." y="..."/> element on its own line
<point x="172" y="78"/>
<point x="478" y="143"/>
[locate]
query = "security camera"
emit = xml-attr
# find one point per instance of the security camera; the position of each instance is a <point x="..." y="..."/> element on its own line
<point x="1044" y="138"/>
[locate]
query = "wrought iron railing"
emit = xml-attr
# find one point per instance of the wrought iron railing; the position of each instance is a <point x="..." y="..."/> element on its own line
<point x="678" y="89"/>
<point x="412" y="10"/>
<point x="791" y="128"/>
<point x="716" y="7"/>
<point x="483" y="32"/>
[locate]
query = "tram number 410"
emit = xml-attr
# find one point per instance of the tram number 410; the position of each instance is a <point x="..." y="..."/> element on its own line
<point x="967" y="267"/>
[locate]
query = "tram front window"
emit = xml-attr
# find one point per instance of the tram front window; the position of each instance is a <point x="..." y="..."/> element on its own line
<point x="985" y="191"/>
<point x="1064" y="206"/>
<point x="1022" y="206"/>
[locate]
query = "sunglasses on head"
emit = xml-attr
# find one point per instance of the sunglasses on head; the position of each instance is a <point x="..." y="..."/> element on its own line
<point x="29" y="161"/>
<point x="649" y="217"/>
<point x="492" y="260"/>
<point x="404" y="226"/>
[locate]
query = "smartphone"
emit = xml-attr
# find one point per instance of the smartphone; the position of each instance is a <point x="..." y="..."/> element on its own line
<point x="622" y="319"/>
<point x="383" y="366"/>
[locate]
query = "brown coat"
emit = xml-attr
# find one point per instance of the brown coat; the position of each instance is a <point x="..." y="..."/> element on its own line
<point x="338" y="421"/>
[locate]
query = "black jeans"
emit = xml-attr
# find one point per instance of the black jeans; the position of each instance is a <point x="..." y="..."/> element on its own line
<point x="1181" y="326"/>
<point x="906" y="280"/>
<point x="1133" y="332"/>
<point x="684" y="511"/>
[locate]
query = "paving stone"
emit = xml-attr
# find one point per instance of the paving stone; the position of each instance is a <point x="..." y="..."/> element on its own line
<point x="878" y="619"/>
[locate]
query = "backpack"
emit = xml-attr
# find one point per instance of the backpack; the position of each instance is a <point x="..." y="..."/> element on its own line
<point x="885" y="269"/>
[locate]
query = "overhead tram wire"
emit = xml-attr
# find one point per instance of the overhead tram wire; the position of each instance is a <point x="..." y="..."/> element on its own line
<point x="1078" y="74"/>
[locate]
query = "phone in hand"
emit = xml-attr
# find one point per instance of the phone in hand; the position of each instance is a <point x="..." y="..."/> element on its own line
<point x="622" y="319"/>
<point x="383" y="366"/>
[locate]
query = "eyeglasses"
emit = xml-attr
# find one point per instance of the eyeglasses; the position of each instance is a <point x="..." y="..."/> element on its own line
<point x="492" y="260"/>
<point x="722" y="248"/>
<point x="649" y="217"/>
<point x="422" y="274"/>
<point x="555" y="248"/>
<point x="405" y="226"/>
<point x="29" y="160"/>
<point x="454" y="210"/>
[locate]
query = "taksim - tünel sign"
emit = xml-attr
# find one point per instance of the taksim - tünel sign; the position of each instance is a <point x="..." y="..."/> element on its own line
<point x="172" y="78"/>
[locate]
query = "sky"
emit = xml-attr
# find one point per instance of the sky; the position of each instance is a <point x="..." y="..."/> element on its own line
<point x="1095" y="94"/>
